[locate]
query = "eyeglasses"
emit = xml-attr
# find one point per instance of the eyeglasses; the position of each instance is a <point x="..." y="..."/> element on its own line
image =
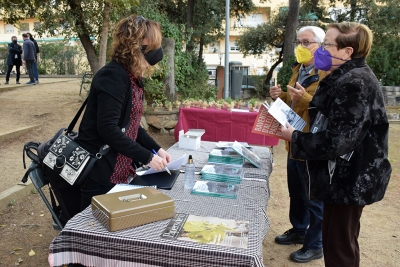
<point x="140" y="19"/>
<point x="324" y="45"/>
<point x="304" y="43"/>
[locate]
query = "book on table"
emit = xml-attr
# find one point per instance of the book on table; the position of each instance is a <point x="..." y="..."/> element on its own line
<point x="215" y="189"/>
<point x="247" y="154"/>
<point x="271" y="116"/>
<point x="208" y="230"/>
<point x="222" y="173"/>
<point x="225" y="156"/>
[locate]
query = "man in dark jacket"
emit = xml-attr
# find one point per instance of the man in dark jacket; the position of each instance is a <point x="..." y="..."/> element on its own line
<point x="29" y="57"/>
<point x="14" y="58"/>
<point x="34" y="66"/>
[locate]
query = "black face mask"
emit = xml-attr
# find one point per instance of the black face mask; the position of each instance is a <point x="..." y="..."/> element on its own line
<point x="153" y="56"/>
<point x="14" y="41"/>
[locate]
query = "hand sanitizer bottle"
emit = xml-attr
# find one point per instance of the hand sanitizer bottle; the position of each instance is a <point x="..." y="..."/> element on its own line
<point x="189" y="173"/>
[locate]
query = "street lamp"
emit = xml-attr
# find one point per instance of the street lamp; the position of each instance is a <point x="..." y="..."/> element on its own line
<point x="220" y="54"/>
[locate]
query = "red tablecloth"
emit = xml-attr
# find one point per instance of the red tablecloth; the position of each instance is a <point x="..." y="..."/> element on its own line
<point x="222" y="125"/>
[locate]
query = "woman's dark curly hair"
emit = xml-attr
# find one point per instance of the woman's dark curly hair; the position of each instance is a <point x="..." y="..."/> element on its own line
<point x="127" y="42"/>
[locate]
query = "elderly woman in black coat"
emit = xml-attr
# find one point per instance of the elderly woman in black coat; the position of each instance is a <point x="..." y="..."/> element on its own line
<point x="347" y="165"/>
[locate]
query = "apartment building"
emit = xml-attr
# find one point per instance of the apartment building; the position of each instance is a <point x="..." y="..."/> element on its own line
<point x="214" y="54"/>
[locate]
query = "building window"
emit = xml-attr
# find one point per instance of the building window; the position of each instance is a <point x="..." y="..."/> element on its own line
<point x="24" y="27"/>
<point x="233" y="47"/>
<point x="10" y="28"/>
<point x="36" y="25"/>
<point x="253" y="20"/>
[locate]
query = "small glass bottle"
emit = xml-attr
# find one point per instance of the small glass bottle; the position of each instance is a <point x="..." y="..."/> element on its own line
<point x="189" y="173"/>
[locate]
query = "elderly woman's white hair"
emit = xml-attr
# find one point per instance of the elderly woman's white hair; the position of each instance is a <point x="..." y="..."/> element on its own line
<point x="318" y="32"/>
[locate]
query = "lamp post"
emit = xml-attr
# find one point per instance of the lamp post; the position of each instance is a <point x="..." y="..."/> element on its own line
<point x="226" y="74"/>
<point x="220" y="54"/>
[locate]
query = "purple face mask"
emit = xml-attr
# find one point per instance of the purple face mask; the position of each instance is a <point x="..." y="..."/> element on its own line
<point x="323" y="59"/>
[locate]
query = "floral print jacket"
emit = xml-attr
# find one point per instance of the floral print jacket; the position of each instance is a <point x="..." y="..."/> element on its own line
<point x="351" y="99"/>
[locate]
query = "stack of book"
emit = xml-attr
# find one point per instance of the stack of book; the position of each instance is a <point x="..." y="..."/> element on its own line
<point x="215" y="189"/>
<point x="222" y="173"/>
<point x="225" y="156"/>
<point x="247" y="154"/>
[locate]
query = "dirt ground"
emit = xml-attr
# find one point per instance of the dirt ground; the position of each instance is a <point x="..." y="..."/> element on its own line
<point x="25" y="225"/>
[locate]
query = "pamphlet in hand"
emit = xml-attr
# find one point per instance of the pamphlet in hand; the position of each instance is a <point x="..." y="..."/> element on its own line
<point x="208" y="230"/>
<point x="266" y="124"/>
<point x="283" y="113"/>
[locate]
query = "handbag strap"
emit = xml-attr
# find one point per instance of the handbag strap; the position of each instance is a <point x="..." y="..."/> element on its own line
<point x="76" y="118"/>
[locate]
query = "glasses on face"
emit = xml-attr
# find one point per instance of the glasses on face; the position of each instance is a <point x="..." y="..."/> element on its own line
<point x="304" y="43"/>
<point x="324" y="45"/>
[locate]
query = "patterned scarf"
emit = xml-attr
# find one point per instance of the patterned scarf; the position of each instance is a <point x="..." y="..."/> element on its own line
<point x="123" y="166"/>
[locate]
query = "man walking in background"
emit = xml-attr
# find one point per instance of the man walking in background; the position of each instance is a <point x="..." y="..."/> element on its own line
<point x="34" y="66"/>
<point x="29" y="57"/>
<point x="14" y="58"/>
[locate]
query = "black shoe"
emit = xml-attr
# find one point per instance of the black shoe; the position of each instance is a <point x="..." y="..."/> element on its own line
<point x="18" y="83"/>
<point x="289" y="237"/>
<point x="306" y="255"/>
<point x="6" y="83"/>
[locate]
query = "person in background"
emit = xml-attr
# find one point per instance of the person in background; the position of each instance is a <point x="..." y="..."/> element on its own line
<point x="34" y="66"/>
<point x="351" y="100"/>
<point x="115" y="106"/>
<point x="14" y="59"/>
<point x="29" y="51"/>
<point x="305" y="215"/>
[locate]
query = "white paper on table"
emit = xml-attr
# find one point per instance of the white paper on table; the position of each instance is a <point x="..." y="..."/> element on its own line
<point x="173" y="165"/>
<point x="125" y="187"/>
<point x="239" y="110"/>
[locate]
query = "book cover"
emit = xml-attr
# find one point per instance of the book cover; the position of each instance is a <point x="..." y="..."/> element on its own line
<point x="215" y="189"/>
<point x="266" y="124"/>
<point x="247" y="154"/>
<point x="208" y="230"/>
<point x="283" y="113"/>
<point x="226" y="144"/>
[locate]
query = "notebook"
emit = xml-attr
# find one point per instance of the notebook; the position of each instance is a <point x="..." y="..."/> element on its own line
<point x="161" y="179"/>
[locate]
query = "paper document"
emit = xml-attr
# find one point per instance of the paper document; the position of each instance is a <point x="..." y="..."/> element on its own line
<point x="173" y="165"/>
<point x="126" y="187"/>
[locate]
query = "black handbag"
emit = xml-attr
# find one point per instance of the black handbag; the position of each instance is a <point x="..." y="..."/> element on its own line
<point x="70" y="160"/>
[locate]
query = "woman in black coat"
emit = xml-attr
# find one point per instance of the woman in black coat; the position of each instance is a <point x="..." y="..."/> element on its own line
<point x="115" y="106"/>
<point x="14" y="59"/>
<point x="347" y="164"/>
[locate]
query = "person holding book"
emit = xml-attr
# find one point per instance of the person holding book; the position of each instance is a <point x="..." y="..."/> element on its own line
<point x="305" y="215"/>
<point x="351" y="100"/>
<point x="114" y="109"/>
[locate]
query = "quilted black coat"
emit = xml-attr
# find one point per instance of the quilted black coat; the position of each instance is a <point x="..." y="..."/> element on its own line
<point x="351" y="98"/>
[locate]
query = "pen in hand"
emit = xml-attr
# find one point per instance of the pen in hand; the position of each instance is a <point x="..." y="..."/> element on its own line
<point x="155" y="153"/>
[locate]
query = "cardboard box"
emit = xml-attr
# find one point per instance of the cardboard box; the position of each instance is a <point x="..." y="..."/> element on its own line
<point x="191" y="139"/>
<point x="132" y="208"/>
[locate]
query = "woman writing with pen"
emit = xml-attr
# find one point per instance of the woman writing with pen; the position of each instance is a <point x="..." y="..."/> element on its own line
<point x="115" y="106"/>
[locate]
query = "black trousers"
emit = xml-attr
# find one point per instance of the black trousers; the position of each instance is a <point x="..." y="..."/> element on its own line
<point x="17" y="68"/>
<point x="29" y="68"/>
<point x="340" y="230"/>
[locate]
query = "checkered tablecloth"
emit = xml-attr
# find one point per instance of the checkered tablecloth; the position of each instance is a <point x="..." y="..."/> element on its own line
<point x="84" y="240"/>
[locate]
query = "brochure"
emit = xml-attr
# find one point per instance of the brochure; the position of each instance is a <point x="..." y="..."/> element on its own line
<point x="173" y="165"/>
<point x="208" y="230"/>
<point x="266" y="124"/>
<point x="283" y="113"/>
<point x="215" y="189"/>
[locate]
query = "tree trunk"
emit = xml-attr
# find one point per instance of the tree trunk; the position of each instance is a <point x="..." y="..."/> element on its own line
<point x="267" y="81"/>
<point x="353" y="10"/>
<point x="104" y="34"/>
<point x="290" y="28"/>
<point x="189" y="24"/>
<point x="168" y="45"/>
<point x="83" y="35"/>
<point x="201" y="47"/>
